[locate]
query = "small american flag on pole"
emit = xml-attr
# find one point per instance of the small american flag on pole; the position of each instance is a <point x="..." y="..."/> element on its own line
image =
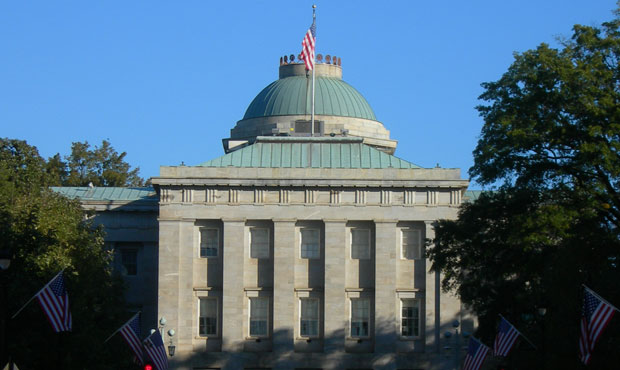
<point x="476" y="353"/>
<point x="131" y="333"/>
<point x="506" y="337"/>
<point x="308" y="47"/>
<point x="595" y="316"/>
<point x="54" y="300"/>
<point x="154" y="347"/>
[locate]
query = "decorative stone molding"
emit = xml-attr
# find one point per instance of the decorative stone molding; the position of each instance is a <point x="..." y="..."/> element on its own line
<point x="259" y="196"/>
<point x="187" y="195"/>
<point x="211" y="196"/>
<point x="386" y="197"/>
<point x="409" y="197"/>
<point x="310" y="196"/>
<point x="455" y="197"/>
<point x="233" y="196"/>
<point x="360" y="196"/>
<point x="334" y="197"/>
<point x="285" y="195"/>
<point x="165" y="196"/>
<point x="432" y="197"/>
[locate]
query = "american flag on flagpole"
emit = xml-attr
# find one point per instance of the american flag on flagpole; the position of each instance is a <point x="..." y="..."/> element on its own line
<point x="154" y="347"/>
<point x="131" y="333"/>
<point x="595" y="316"/>
<point x="476" y="353"/>
<point x="308" y="47"/>
<point x="54" y="300"/>
<point x="506" y="337"/>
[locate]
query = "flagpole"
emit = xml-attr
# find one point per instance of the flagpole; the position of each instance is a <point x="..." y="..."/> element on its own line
<point x="601" y="298"/>
<point x="117" y="330"/>
<point x="313" y="68"/>
<point x="34" y="296"/>
<point x="521" y="334"/>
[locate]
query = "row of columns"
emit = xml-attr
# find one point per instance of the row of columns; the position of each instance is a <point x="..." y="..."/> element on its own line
<point x="176" y="277"/>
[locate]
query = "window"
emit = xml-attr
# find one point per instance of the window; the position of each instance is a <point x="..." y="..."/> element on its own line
<point x="309" y="317"/>
<point x="360" y="244"/>
<point x="259" y="316"/>
<point x="410" y="318"/>
<point x="259" y="242"/>
<point x="310" y="243"/>
<point x="207" y="322"/>
<point x="411" y="244"/>
<point x="129" y="261"/>
<point x="360" y="317"/>
<point x="209" y="242"/>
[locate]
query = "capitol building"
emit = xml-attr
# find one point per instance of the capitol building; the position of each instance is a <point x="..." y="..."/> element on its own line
<point x="301" y="247"/>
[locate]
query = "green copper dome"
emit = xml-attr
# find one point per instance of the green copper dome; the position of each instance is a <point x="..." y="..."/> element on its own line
<point x="292" y="95"/>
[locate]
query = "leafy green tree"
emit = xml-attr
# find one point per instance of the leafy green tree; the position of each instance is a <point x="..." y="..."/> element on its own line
<point x="46" y="233"/>
<point x="550" y="148"/>
<point x="100" y="166"/>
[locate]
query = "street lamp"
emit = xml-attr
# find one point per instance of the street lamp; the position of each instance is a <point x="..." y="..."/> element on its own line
<point x="457" y="342"/>
<point x="171" y="347"/>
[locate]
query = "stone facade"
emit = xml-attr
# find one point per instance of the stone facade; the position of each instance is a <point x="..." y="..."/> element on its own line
<point x="337" y="203"/>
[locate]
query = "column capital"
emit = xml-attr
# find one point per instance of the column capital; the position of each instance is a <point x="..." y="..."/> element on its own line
<point x="234" y="220"/>
<point x="384" y="221"/>
<point x="284" y="220"/>
<point x="333" y="221"/>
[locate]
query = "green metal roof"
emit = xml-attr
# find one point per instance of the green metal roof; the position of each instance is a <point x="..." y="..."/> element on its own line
<point x="290" y="96"/>
<point x="107" y="193"/>
<point x="296" y="152"/>
<point x="471" y="195"/>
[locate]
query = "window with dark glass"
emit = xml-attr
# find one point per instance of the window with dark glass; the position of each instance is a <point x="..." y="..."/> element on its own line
<point x="209" y="242"/>
<point x="309" y="317"/>
<point x="360" y="317"/>
<point x="129" y="261"/>
<point x="410" y="318"/>
<point x="207" y="323"/>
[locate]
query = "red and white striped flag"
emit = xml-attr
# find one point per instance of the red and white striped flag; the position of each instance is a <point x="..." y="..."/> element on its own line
<point x="131" y="333"/>
<point x="54" y="300"/>
<point x="154" y="347"/>
<point x="595" y="316"/>
<point x="506" y="337"/>
<point x="308" y="47"/>
<point x="476" y="353"/>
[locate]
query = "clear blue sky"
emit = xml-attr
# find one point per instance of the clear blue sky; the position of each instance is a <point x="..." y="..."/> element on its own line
<point x="165" y="81"/>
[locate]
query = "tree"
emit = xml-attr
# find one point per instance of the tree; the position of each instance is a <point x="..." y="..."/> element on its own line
<point x="100" y="166"/>
<point x="45" y="233"/>
<point x="550" y="148"/>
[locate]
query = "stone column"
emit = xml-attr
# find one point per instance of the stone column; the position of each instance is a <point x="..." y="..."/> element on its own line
<point x="168" y="284"/>
<point x="386" y="305"/>
<point x="335" y="320"/>
<point x="431" y="300"/>
<point x="232" y="287"/>
<point x="283" y="291"/>
<point x="186" y="299"/>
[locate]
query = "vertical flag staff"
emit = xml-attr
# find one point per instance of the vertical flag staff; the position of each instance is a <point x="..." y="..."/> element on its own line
<point x="308" y="47"/>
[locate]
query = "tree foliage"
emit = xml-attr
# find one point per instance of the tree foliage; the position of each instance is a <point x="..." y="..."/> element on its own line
<point x="46" y="233"/>
<point x="550" y="147"/>
<point x="99" y="166"/>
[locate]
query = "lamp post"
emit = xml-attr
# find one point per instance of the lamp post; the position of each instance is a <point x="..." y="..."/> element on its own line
<point x="171" y="346"/>
<point x="171" y="333"/>
<point x="5" y="262"/>
<point x="457" y="342"/>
